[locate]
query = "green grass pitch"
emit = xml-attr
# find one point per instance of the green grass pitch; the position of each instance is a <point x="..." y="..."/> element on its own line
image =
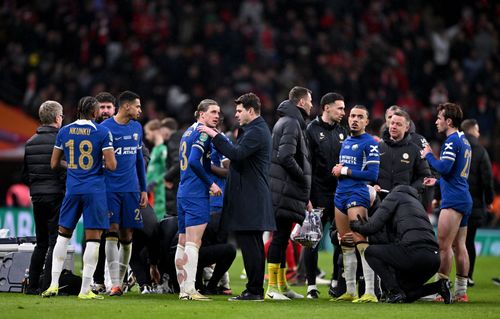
<point x="485" y="303"/>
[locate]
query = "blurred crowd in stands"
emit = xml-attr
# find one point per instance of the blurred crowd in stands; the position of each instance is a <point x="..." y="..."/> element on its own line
<point x="176" y="52"/>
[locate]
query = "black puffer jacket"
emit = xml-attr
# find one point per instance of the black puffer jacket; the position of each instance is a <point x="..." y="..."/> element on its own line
<point x="401" y="163"/>
<point x="290" y="164"/>
<point x="325" y="141"/>
<point x="480" y="179"/>
<point x="405" y="219"/>
<point x="37" y="174"/>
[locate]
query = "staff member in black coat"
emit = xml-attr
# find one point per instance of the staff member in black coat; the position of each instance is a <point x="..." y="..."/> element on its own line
<point x="247" y="206"/>
<point x="400" y="160"/>
<point x="480" y="187"/>
<point x="290" y="184"/>
<point x="325" y="135"/>
<point x="47" y="192"/>
<point x="411" y="256"/>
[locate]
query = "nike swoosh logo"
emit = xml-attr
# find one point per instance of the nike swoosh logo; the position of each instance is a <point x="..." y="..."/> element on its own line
<point x="270" y="296"/>
<point x="118" y="138"/>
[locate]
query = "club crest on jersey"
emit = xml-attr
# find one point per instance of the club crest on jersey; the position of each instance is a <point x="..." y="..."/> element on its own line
<point x="341" y="136"/>
<point x="321" y="135"/>
<point x="136" y="136"/>
<point x="406" y="156"/>
<point x="355" y="147"/>
<point x="203" y="137"/>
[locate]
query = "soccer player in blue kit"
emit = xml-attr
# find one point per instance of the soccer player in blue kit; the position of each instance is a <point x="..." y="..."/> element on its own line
<point x="125" y="187"/>
<point x="359" y="163"/>
<point x="456" y="201"/>
<point x="193" y="204"/>
<point x="83" y="143"/>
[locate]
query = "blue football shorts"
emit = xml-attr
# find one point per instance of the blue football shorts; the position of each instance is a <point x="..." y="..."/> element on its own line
<point x="192" y="211"/>
<point x="93" y="207"/>
<point x="124" y="209"/>
<point x="352" y="198"/>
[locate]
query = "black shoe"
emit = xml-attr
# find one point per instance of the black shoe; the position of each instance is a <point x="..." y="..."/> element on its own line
<point x="496" y="281"/>
<point x="470" y="282"/>
<point x="445" y="290"/>
<point x="336" y="292"/>
<point x="313" y="294"/>
<point x="396" y="297"/>
<point x="32" y="291"/>
<point x="207" y="291"/>
<point x="247" y="296"/>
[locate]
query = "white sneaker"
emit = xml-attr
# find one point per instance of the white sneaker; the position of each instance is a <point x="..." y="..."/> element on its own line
<point x="292" y="294"/>
<point x="322" y="281"/>
<point x="273" y="294"/>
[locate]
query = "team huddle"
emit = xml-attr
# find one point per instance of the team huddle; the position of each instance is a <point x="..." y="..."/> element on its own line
<point x="372" y="197"/>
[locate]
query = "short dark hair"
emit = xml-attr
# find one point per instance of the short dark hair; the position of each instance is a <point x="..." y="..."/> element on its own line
<point x="298" y="92"/>
<point x="468" y="125"/>
<point x="105" y="97"/>
<point x="87" y="106"/>
<point x="403" y="113"/>
<point x="170" y="123"/>
<point x="453" y="112"/>
<point x="127" y="96"/>
<point x="249" y="100"/>
<point x="330" y="98"/>
<point x="362" y="107"/>
<point x="203" y="107"/>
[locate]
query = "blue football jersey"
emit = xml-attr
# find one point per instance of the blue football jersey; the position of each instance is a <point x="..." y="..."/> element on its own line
<point x="127" y="142"/>
<point x="192" y="185"/>
<point x="361" y="155"/>
<point x="82" y="143"/>
<point x="217" y="159"/>
<point x="453" y="184"/>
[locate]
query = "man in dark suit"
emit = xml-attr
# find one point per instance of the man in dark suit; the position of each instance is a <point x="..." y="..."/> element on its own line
<point x="247" y="208"/>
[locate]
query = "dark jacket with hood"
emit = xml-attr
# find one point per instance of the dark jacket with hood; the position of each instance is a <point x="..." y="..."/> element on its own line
<point x="401" y="163"/>
<point x="325" y="141"/>
<point x="290" y="164"/>
<point x="404" y="218"/>
<point x="480" y="179"/>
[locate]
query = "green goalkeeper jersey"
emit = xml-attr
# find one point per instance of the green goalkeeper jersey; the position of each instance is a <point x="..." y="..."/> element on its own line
<point x="156" y="170"/>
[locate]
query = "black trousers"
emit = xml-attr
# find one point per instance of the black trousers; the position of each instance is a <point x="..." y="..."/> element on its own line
<point x="254" y="260"/>
<point x="46" y="213"/>
<point x="405" y="269"/>
<point x="310" y="255"/>
<point x="277" y="249"/>
<point x="222" y="255"/>
<point x="472" y="227"/>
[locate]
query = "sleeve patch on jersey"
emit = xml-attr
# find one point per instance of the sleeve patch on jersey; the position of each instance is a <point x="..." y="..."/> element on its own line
<point x="203" y="137"/>
<point x="110" y="136"/>
<point x="136" y="136"/>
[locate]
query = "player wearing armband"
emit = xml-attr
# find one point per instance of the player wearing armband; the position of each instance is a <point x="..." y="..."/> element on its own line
<point x="456" y="204"/>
